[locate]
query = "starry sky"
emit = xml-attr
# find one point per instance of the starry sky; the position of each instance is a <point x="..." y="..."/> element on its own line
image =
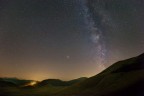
<point x="67" y="39"/>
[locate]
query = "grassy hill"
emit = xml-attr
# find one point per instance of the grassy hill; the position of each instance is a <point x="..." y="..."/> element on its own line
<point x="15" y="87"/>
<point x="57" y="82"/>
<point x="124" y="78"/>
<point x="15" y="81"/>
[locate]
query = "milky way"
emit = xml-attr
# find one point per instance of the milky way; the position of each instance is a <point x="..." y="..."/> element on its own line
<point x="96" y="35"/>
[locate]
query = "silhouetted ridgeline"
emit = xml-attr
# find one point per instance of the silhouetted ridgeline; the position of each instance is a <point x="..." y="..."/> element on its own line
<point x="124" y="78"/>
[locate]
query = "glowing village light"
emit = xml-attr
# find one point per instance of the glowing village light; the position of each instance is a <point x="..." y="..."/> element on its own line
<point x="32" y="83"/>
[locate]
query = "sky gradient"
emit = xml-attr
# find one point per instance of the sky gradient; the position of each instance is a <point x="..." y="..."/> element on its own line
<point x="67" y="39"/>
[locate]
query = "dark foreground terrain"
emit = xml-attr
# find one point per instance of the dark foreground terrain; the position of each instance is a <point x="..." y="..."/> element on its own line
<point x="124" y="78"/>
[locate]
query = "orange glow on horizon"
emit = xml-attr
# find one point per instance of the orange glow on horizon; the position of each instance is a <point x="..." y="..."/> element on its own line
<point x="33" y="83"/>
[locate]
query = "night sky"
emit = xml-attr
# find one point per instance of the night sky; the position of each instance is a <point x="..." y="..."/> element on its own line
<point x="67" y="39"/>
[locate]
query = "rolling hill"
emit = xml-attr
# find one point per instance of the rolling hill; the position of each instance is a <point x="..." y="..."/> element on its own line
<point x="57" y="82"/>
<point x="124" y="78"/>
<point x="15" y="81"/>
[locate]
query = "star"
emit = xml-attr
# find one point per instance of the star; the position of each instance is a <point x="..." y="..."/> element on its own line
<point x="68" y="57"/>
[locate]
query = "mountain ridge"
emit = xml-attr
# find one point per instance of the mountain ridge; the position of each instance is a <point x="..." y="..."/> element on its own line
<point x="118" y="73"/>
<point x="123" y="78"/>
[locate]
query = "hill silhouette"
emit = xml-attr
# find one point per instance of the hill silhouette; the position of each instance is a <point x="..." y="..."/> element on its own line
<point x="57" y="82"/>
<point x="124" y="78"/>
<point x="15" y="81"/>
